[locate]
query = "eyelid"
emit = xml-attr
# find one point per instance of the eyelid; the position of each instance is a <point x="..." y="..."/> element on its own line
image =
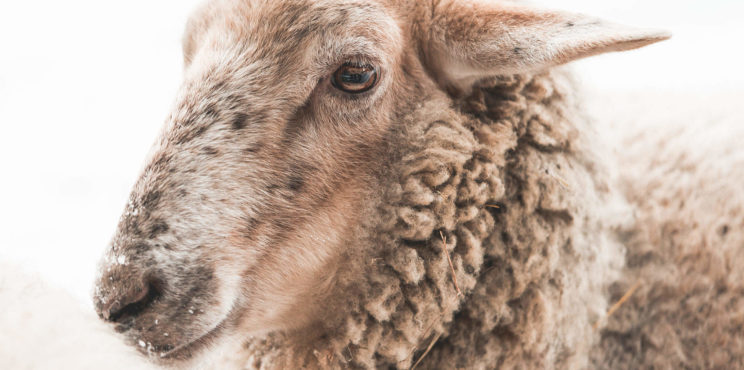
<point x="358" y="64"/>
<point x="332" y="64"/>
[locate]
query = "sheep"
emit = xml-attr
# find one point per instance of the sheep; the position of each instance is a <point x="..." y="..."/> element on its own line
<point x="379" y="183"/>
<point x="45" y="328"/>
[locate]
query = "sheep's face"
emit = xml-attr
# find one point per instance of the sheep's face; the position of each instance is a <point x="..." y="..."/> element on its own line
<point x="241" y="218"/>
<point x="251" y="189"/>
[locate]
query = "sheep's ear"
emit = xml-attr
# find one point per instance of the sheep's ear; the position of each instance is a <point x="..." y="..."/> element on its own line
<point x="468" y="40"/>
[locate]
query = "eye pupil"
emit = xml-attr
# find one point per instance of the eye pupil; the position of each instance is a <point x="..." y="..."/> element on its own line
<point x="354" y="79"/>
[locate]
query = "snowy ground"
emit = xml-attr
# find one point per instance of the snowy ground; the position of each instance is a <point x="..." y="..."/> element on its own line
<point x="86" y="84"/>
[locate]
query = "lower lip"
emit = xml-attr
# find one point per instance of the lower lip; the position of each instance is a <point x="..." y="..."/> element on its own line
<point x="184" y="351"/>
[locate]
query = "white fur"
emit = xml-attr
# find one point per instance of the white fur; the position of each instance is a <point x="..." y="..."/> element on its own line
<point x="45" y="328"/>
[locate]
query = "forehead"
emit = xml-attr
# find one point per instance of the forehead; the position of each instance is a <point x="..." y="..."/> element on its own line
<point x="285" y="25"/>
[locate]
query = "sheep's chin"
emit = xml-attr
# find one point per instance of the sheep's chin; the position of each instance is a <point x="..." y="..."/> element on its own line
<point x="187" y="350"/>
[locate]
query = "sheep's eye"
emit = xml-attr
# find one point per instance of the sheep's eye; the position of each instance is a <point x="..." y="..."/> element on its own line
<point x="354" y="78"/>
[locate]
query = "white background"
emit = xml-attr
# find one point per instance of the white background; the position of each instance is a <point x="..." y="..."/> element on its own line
<point x="86" y="84"/>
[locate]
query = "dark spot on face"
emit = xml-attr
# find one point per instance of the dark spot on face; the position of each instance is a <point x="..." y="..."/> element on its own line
<point x="140" y="247"/>
<point x="249" y="226"/>
<point x="253" y="148"/>
<point x="208" y="150"/>
<point x="517" y="50"/>
<point x="296" y="181"/>
<point x="470" y="269"/>
<point x="240" y="121"/>
<point x="724" y="230"/>
<point x="199" y="131"/>
<point x="151" y="199"/>
<point x="569" y="24"/>
<point x="158" y="228"/>
<point x="189" y="135"/>
<point x="299" y="173"/>
<point x="210" y="114"/>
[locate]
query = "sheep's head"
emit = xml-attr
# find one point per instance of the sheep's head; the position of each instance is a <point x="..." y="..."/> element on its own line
<point x="291" y="116"/>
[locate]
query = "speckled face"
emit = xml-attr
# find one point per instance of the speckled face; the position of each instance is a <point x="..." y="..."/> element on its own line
<point x="250" y="189"/>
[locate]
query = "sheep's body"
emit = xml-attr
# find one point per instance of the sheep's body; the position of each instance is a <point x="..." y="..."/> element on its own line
<point x="379" y="183"/>
<point x="682" y="168"/>
<point x="44" y="328"/>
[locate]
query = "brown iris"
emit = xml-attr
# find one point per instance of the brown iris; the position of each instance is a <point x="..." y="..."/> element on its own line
<point x="354" y="78"/>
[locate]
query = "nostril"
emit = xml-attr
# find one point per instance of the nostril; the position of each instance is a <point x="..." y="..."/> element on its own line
<point x="132" y="302"/>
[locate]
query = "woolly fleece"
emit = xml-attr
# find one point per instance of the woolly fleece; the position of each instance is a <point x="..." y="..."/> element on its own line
<point x="683" y="170"/>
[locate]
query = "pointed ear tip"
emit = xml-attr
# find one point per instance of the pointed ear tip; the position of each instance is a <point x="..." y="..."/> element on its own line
<point x="657" y="35"/>
<point x="645" y="37"/>
<point x="637" y="38"/>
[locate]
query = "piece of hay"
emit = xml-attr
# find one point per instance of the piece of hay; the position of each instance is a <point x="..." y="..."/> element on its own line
<point x="428" y="348"/>
<point x="619" y="303"/>
<point x="452" y="267"/>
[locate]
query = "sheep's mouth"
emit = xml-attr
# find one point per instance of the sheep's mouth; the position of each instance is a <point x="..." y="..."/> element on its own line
<point x="188" y="349"/>
<point x="176" y="352"/>
<point x="168" y="351"/>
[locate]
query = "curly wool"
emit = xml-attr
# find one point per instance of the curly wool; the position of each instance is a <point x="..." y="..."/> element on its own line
<point x="509" y="185"/>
